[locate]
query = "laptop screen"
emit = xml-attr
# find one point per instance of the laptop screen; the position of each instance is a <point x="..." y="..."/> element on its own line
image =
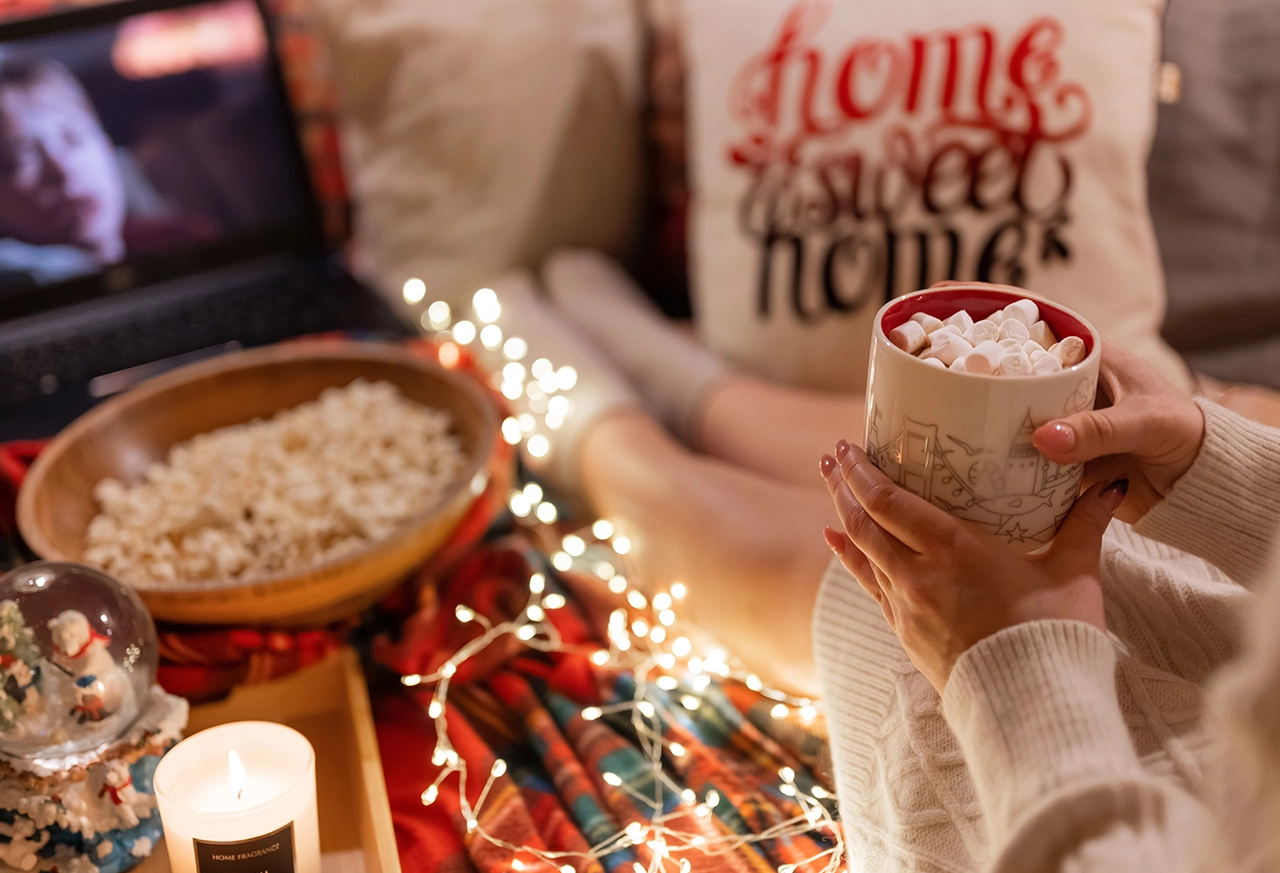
<point x="141" y="142"/>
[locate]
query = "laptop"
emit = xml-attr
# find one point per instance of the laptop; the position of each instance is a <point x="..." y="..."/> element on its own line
<point x="155" y="206"/>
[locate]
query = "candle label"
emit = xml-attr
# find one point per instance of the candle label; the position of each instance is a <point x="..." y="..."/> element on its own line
<point x="272" y="853"/>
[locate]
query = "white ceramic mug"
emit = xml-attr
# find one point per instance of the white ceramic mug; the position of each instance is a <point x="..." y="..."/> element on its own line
<point x="963" y="441"/>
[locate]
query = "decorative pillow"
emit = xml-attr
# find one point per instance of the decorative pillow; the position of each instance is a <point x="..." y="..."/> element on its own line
<point x="843" y="153"/>
<point x="479" y="135"/>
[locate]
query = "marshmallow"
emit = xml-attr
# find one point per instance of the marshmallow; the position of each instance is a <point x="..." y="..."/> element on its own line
<point x="1032" y="346"/>
<point x="909" y="336"/>
<point x="1041" y="333"/>
<point x="934" y="362"/>
<point x="981" y="332"/>
<point x="927" y="321"/>
<point x="1038" y="354"/>
<point x="1015" y="364"/>
<point x="1046" y="365"/>
<point x="947" y="328"/>
<point x="960" y="320"/>
<point x="984" y="358"/>
<point x="997" y="318"/>
<point x="946" y="347"/>
<point x="1070" y="351"/>
<point x="1024" y="311"/>
<point x="957" y="364"/>
<point x="1014" y="329"/>
<point x="1010" y="346"/>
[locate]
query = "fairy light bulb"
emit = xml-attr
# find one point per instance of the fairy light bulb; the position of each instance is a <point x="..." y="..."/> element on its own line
<point x="666" y="617"/>
<point x="600" y="657"/>
<point x="448" y="670"/>
<point x="511" y="390"/>
<point x="681" y="647"/>
<point x="646" y="708"/>
<point x="667" y="661"/>
<point x="519" y="504"/>
<point x="464" y="333"/>
<point x="485" y="303"/>
<point x="677" y="750"/>
<point x="566" y="378"/>
<point x="553" y="601"/>
<point x="602" y="529"/>
<point x="753" y="682"/>
<point x="538" y="446"/>
<point x="591" y="713"/>
<point x="780" y="711"/>
<point x="621" y="545"/>
<point x="533" y="490"/>
<point x="511" y="431"/>
<point x="499" y="768"/>
<point x="491" y="336"/>
<point x="574" y="545"/>
<point x="636" y="599"/>
<point x="604" y="569"/>
<point x="515" y="349"/>
<point x="662" y="600"/>
<point x="559" y="406"/>
<point x="411" y="680"/>
<point x="689" y="702"/>
<point x="514" y="372"/>
<point x="435" y="709"/>
<point x="525" y="632"/>
<point x="527" y="425"/>
<point x="786" y="774"/>
<point x="429" y="796"/>
<point x="658" y="635"/>
<point x="618" y="584"/>
<point x="611" y="779"/>
<point x="540" y="368"/>
<point x="562" y="561"/>
<point x="808" y="712"/>
<point x="713" y="798"/>
<point x="667" y="683"/>
<point x="537" y="583"/>
<point x="535" y="613"/>
<point x="640" y="627"/>
<point x="546" y="512"/>
<point x="438" y="314"/>
<point x="415" y="290"/>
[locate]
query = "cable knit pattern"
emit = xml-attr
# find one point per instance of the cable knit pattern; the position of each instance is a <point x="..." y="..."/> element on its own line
<point x="1226" y="508"/>
<point x="907" y="797"/>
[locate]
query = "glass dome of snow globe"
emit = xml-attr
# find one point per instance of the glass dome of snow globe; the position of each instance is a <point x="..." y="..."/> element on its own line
<point x="78" y="657"/>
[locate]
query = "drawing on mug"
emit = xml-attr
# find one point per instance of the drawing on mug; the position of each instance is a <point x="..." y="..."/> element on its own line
<point x="1020" y="496"/>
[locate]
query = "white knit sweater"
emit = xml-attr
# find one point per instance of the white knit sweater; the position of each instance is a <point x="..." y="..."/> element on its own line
<point x="1059" y="747"/>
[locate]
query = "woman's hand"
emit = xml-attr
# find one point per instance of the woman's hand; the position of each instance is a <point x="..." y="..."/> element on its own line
<point x="944" y="586"/>
<point x="1150" y="434"/>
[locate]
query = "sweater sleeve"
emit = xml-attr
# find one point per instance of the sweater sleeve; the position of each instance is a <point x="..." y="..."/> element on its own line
<point x="1034" y="708"/>
<point x="1226" y="507"/>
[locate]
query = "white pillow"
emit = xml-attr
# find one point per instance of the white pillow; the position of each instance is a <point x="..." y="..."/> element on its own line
<point x="791" y="98"/>
<point x="479" y="135"/>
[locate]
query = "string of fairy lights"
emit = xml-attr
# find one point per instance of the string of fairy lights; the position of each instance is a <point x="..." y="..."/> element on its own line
<point x="644" y="639"/>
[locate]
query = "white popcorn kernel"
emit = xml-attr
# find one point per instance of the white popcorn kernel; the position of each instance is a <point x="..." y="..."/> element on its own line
<point x="961" y="321"/>
<point x="1070" y="351"/>
<point x="1046" y="365"/>
<point x="1014" y="329"/>
<point x="981" y="332"/>
<point x="934" y="362"/>
<point x="946" y="347"/>
<point x="1015" y="364"/>
<point x="1024" y="311"/>
<point x="910" y="337"/>
<point x="984" y="359"/>
<point x="1041" y="333"/>
<point x="927" y="321"/>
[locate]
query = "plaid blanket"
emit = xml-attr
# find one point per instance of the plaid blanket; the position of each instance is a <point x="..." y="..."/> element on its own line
<point x="524" y="707"/>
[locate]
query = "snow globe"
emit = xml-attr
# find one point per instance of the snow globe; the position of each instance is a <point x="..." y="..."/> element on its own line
<point x="82" y="721"/>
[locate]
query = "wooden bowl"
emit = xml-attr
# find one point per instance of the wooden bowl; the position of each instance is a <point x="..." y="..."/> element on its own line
<point x="128" y="433"/>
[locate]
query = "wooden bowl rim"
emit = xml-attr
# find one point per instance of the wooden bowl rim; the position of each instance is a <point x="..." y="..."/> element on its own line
<point x="297" y="350"/>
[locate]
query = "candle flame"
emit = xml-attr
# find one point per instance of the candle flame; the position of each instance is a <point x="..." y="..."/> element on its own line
<point x="237" y="773"/>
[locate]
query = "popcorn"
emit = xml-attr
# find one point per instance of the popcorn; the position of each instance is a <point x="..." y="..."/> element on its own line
<point x="1013" y="341"/>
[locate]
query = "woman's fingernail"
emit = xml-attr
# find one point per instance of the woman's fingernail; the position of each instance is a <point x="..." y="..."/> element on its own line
<point x="1057" y="436"/>
<point x="833" y="541"/>
<point x="826" y="465"/>
<point x="842" y="449"/>
<point x="1113" y="495"/>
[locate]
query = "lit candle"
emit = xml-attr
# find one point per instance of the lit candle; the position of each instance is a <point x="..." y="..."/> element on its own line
<point x="240" y="798"/>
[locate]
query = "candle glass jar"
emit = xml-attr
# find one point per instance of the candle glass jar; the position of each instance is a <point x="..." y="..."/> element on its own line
<point x="254" y="813"/>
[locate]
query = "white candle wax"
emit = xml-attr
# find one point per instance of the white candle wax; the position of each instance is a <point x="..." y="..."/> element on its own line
<point x="215" y="824"/>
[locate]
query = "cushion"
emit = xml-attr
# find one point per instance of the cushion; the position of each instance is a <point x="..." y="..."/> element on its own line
<point x="480" y="135"/>
<point x="844" y="153"/>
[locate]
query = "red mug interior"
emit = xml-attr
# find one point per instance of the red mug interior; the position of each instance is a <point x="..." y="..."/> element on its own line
<point x="980" y="303"/>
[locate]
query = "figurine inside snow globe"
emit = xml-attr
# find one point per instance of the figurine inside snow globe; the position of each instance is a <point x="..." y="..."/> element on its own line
<point x="77" y="660"/>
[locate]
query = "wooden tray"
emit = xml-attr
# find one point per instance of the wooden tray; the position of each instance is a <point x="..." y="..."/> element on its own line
<point x="329" y="704"/>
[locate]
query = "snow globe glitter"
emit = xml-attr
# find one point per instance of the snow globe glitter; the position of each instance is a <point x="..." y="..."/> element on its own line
<point x="82" y="721"/>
